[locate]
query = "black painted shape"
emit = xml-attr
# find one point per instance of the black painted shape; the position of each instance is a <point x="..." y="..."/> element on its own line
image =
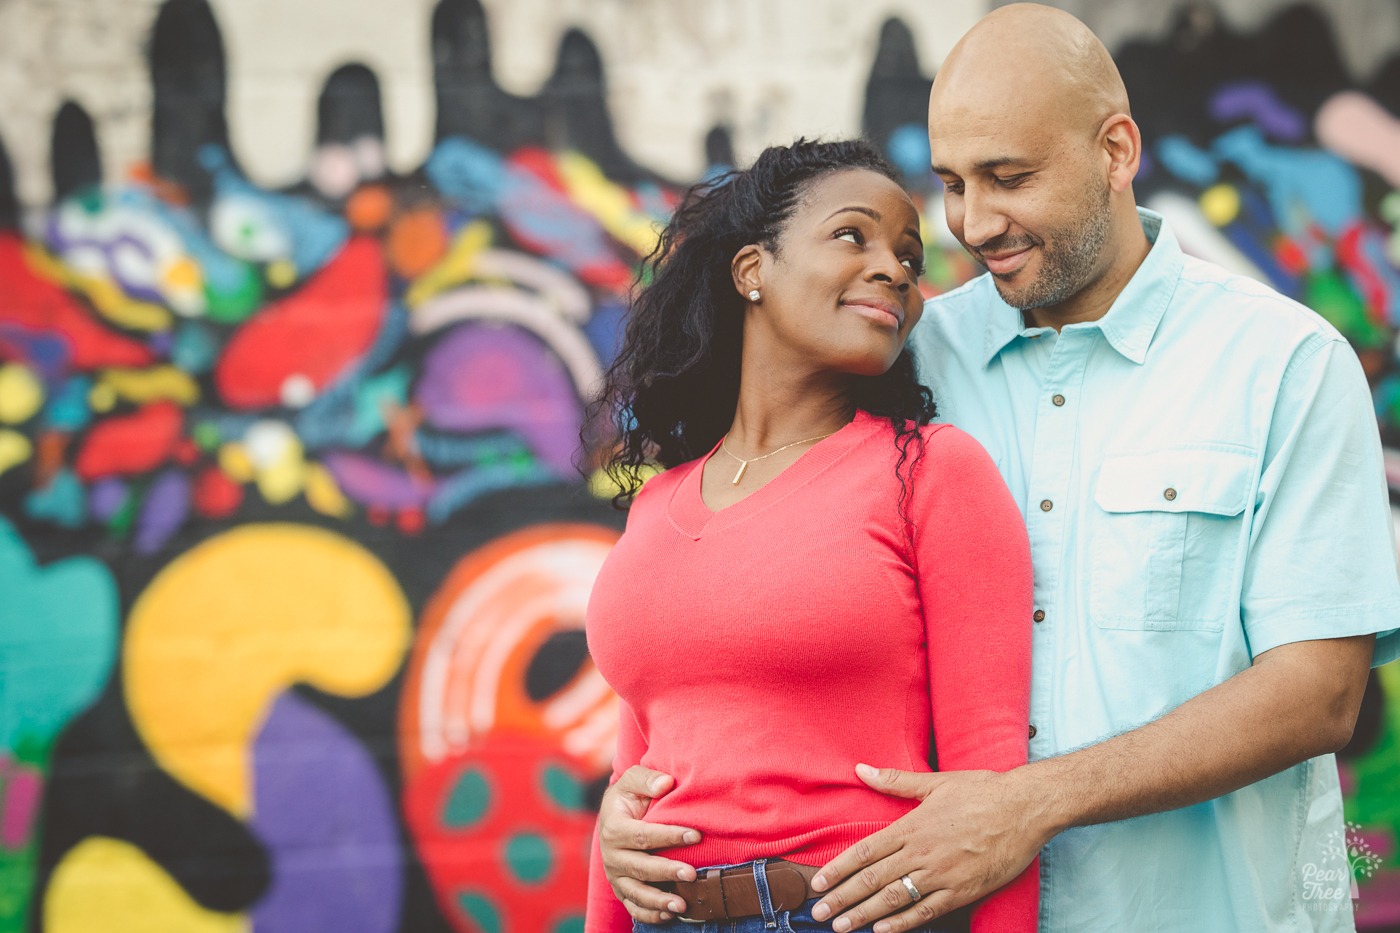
<point x="1385" y="85"/>
<point x="349" y="106"/>
<point x="555" y="664"/>
<point x="575" y="109"/>
<point x="897" y="92"/>
<point x="104" y="782"/>
<point x="1171" y="82"/>
<point x="468" y="101"/>
<point x="719" y="146"/>
<point x="9" y="203"/>
<point x="73" y="155"/>
<point x="187" y="80"/>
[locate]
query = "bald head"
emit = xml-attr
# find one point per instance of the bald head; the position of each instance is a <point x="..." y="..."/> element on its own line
<point x="1027" y="56"/>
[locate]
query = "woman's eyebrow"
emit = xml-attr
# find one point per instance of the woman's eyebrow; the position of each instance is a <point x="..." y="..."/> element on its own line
<point x="859" y="209"/>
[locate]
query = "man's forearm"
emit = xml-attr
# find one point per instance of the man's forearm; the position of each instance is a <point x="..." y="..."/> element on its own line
<point x="1296" y="702"/>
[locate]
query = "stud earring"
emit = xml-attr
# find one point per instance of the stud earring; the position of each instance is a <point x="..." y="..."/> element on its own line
<point x="754" y="295"/>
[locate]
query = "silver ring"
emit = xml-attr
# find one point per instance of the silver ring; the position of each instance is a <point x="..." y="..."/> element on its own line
<point x="914" y="894"/>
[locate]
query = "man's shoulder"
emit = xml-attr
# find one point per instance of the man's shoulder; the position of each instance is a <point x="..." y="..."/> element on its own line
<point x="1220" y="296"/>
<point x="957" y="316"/>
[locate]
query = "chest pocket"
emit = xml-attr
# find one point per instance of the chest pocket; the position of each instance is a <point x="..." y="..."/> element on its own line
<point x="1167" y="537"/>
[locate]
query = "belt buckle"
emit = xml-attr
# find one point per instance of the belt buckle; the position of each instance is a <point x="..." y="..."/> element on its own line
<point x="687" y="919"/>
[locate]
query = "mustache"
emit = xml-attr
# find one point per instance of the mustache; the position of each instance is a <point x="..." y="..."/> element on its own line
<point x="1006" y="243"/>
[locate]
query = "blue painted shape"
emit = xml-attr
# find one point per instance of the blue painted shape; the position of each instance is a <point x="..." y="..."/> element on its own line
<point x="1303" y="185"/>
<point x="1183" y="159"/>
<point x="63" y="501"/>
<point x="908" y="150"/>
<point x="58" y="640"/>
<point x="468" y="174"/>
<point x="68" y="409"/>
<point x="195" y="348"/>
<point x="604" y="330"/>
<point x="458" y="492"/>
<point x="316" y="235"/>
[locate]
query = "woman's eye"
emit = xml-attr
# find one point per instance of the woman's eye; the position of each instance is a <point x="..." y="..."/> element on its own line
<point x="849" y="235"/>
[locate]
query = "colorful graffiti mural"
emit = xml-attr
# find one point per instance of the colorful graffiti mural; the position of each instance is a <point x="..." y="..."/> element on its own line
<point x="294" y="540"/>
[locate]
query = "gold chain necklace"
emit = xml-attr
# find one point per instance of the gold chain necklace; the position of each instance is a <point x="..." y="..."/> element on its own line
<point x="744" y="464"/>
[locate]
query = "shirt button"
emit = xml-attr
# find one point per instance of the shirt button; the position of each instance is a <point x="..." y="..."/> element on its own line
<point x="1058" y="400"/>
<point x="1038" y="615"/>
<point x="1169" y="494"/>
<point x="1032" y="730"/>
<point x="1046" y="505"/>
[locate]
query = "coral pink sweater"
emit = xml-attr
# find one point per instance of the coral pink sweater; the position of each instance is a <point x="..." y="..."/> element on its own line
<point x="761" y="651"/>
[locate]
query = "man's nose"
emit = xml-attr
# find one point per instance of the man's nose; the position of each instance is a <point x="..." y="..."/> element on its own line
<point x="983" y="219"/>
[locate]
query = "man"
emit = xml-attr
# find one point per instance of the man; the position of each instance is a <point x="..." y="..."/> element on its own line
<point x="1198" y="464"/>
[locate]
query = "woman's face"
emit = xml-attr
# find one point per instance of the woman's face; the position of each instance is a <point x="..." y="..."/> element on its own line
<point x="841" y="294"/>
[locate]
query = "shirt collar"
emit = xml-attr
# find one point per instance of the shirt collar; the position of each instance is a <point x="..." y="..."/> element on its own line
<point x="1132" y="319"/>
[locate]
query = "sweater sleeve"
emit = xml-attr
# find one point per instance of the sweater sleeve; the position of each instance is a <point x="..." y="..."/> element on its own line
<point x="605" y="913"/>
<point x="973" y="560"/>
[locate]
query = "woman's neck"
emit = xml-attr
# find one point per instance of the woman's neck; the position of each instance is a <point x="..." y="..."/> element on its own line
<point x="773" y="412"/>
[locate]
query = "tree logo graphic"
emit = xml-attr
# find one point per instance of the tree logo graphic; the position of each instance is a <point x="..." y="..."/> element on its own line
<point x="1350" y="845"/>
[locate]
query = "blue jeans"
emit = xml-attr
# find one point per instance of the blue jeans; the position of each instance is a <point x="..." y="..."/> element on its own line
<point x="782" y="921"/>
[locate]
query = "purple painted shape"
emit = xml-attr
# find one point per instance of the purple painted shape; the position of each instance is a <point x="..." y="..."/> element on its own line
<point x="370" y="482"/>
<point x="166" y="507"/>
<point x="21" y="787"/>
<point x="106" y="496"/>
<point x="1256" y="101"/>
<point x="322" y="809"/>
<point x="49" y="353"/>
<point x="488" y="377"/>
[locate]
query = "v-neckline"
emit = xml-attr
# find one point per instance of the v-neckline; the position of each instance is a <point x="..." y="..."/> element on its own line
<point x="692" y="517"/>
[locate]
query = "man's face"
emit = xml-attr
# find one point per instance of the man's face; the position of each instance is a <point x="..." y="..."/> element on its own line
<point x="1023" y="197"/>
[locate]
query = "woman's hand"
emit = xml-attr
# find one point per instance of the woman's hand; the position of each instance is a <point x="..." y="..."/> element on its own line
<point x="625" y="840"/>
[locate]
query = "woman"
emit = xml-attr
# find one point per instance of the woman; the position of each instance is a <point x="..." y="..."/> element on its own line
<point x="820" y="577"/>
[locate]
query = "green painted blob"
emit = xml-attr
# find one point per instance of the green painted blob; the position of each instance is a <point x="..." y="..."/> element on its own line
<point x="468" y="802"/>
<point x="1332" y="296"/>
<point x="563" y="788"/>
<point x="480" y="911"/>
<point x="569" y="925"/>
<point x="529" y="857"/>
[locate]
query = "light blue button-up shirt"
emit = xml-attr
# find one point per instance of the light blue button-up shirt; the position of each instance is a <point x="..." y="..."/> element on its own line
<point x="1201" y="477"/>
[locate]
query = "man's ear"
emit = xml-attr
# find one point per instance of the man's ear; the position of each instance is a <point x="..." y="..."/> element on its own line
<point x="747" y="269"/>
<point x="1122" y="146"/>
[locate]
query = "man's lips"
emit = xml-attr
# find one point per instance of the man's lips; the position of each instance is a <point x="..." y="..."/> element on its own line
<point x="877" y="309"/>
<point x="1005" y="262"/>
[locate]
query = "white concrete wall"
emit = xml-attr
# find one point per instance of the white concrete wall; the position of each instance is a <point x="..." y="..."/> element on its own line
<point x="771" y="69"/>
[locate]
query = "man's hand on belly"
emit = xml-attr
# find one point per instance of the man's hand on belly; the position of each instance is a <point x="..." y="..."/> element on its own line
<point x="968" y="836"/>
<point x="625" y="840"/>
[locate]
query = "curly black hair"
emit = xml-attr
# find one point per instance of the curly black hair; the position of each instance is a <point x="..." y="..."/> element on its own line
<point x="674" y="385"/>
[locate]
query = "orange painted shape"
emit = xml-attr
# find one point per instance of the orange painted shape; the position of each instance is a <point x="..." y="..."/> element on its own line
<point x="368" y="209"/>
<point x="417" y="240"/>
<point x="478" y="635"/>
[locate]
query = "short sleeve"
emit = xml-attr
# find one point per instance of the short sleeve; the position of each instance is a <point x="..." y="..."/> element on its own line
<point x="1322" y="559"/>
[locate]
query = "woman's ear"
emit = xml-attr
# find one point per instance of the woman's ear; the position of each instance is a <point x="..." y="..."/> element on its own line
<point x="747" y="269"/>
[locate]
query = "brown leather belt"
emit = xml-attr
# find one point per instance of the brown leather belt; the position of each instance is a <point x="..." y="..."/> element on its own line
<point x="732" y="893"/>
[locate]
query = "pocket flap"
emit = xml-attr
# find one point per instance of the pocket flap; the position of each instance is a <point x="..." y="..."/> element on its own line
<point x="1216" y="481"/>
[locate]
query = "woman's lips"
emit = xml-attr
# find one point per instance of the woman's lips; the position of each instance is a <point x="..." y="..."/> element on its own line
<point x="882" y="312"/>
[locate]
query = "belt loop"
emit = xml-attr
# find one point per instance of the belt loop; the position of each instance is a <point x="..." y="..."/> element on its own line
<point x="765" y="899"/>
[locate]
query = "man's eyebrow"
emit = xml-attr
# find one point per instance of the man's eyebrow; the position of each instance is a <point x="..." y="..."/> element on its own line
<point x="983" y="166"/>
<point x="867" y="211"/>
